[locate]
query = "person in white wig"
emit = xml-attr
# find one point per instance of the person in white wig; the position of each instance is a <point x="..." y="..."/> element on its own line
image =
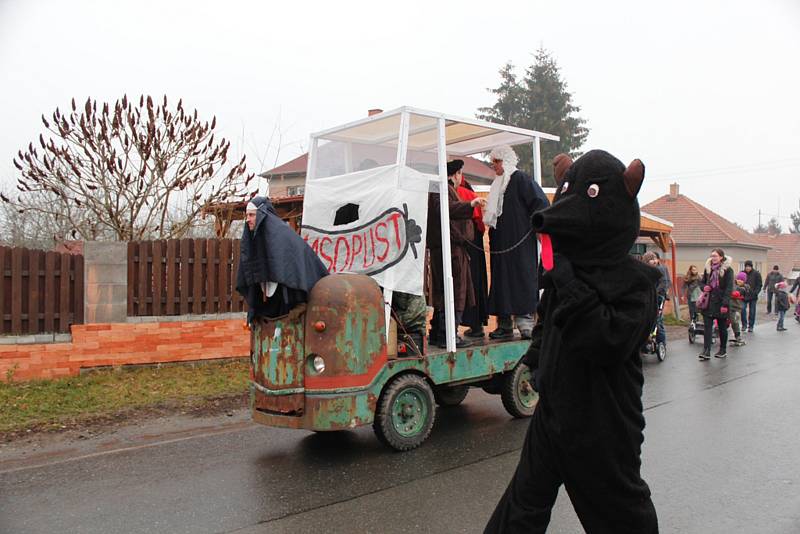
<point x="514" y="291"/>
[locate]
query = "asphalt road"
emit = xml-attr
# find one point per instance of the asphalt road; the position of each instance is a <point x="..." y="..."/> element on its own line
<point x="721" y="454"/>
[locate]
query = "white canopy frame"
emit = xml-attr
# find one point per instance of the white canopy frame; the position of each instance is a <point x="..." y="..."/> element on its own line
<point x="445" y="135"/>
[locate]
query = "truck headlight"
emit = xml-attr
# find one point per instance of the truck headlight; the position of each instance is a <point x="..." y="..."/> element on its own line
<point x="318" y="364"/>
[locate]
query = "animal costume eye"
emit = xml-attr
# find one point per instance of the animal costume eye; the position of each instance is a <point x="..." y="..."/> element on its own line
<point x="593" y="190"/>
<point x="565" y="187"/>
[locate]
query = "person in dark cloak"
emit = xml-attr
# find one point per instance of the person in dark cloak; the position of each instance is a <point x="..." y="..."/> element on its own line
<point x="514" y="290"/>
<point x="475" y="317"/>
<point x="461" y="232"/>
<point x="596" y="311"/>
<point x="277" y="269"/>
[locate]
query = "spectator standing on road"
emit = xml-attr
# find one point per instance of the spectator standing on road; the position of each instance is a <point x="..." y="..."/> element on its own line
<point x="691" y="285"/>
<point x="749" y="308"/>
<point x="781" y="303"/>
<point x="738" y="295"/>
<point x="773" y="278"/>
<point x="717" y="286"/>
<point x="662" y="288"/>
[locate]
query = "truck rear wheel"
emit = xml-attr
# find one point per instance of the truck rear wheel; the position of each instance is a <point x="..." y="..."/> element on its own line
<point x="405" y="413"/>
<point x="519" y="397"/>
<point x="450" y="395"/>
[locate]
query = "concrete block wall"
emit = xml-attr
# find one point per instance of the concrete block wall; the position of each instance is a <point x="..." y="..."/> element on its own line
<point x="105" y="282"/>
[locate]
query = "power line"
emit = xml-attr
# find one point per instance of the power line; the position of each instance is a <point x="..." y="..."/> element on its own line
<point x="737" y="169"/>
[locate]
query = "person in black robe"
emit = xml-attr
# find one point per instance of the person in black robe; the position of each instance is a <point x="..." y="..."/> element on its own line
<point x="597" y="309"/>
<point x="277" y="268"/>
<point x="514" y="291"/>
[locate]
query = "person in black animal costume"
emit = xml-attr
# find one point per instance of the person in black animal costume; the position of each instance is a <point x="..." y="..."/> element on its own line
<point x="596" y="311"/>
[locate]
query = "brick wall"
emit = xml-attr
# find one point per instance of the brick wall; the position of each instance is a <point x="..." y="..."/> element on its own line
<point x="95" y="345"/>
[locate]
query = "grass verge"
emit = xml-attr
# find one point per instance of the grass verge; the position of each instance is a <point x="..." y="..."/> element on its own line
<point x="52" y="404"/>
<point x="670" y="320"/>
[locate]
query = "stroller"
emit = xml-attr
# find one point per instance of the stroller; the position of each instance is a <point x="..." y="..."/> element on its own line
<point x="651" y="346"/>
<point x="696" y="328"/>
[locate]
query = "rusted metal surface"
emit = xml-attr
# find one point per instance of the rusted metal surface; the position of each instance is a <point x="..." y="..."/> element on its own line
<point x="343" y="324"/>
<point x="278" y="364"/>
<point x="353" y="342"/>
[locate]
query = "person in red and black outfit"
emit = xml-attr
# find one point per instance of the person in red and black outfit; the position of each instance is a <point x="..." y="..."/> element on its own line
<point x="475" y="317"/>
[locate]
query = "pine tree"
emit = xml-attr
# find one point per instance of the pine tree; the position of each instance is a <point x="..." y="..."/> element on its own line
<point x="795" y="228"/>
<point x="540" y="101"/>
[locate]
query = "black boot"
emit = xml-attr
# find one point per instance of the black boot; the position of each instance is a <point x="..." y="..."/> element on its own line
<point x="705" y="355"/>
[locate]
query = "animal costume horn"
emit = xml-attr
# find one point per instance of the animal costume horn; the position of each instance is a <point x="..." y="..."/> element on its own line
<point x="634" y="176"/>
<point x="561" y="163"/>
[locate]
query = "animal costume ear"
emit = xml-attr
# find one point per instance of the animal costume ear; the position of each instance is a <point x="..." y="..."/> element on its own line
<point x="634" y="176"/>
<point x="561" y="164"/>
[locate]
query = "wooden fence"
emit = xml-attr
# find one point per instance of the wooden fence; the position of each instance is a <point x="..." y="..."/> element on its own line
<point x="39" y="291"/>
<point x="183" y="276"/>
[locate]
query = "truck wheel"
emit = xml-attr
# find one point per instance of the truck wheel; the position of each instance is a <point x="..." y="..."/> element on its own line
<point x="450" y="395"/>
<point x="404" y="416"/>
<point x="519" y="397"/>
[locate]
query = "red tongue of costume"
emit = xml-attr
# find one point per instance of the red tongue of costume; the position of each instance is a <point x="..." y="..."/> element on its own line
<point x="547" y="252"/>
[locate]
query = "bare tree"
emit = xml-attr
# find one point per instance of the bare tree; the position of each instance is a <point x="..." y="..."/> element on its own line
<point x="127" y="171"/>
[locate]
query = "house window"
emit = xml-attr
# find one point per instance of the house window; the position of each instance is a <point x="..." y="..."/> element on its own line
<point x="295" y="190"/>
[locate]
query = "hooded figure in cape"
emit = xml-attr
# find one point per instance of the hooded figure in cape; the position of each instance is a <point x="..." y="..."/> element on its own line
<point x="595" y="313"/>
<point x="513" y="198"/>
<point x="277" y="269"/>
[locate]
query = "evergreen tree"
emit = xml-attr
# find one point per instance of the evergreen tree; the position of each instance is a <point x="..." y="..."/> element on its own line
<point x="540" y="101"/>
<point x="774" y="227"/>
<point x="795" y="228"/>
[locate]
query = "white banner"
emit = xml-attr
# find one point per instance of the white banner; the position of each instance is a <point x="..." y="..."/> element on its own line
<point x="387" y="241"/>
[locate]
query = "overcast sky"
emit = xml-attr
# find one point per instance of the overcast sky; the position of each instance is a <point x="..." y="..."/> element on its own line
<point x="705" y="93"/>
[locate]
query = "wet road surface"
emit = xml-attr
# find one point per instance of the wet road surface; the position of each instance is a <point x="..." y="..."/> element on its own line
<point x="721" y="454"/>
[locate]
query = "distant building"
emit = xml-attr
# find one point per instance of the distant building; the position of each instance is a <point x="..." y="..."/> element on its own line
<point x="784" y="252"/>
<point x="697" y="230"/>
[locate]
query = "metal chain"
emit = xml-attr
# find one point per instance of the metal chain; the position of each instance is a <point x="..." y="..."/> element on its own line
<point x="495" y="252"/>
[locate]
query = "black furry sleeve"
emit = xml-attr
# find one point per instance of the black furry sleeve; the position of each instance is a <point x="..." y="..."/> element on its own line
<point x="604" y="333"/>
<point x="531" y="357"/>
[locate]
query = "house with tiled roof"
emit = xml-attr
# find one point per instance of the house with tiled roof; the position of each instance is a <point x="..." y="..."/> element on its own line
<point x="697" y="229"/>
<point x="784" y="252"/>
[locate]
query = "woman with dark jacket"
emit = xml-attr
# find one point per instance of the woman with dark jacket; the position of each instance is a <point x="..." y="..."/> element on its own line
<point x="717" y="286"/>
<point x="693" y="288"/>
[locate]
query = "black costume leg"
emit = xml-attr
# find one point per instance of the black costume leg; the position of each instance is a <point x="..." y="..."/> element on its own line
<point x="526" y="504"/>
<point x="614" y="509"/>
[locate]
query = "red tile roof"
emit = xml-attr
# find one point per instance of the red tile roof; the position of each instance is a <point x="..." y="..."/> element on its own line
<point x="697" y="225"/>
<point x="472" y="168"/>
<point x="785" y="252"/>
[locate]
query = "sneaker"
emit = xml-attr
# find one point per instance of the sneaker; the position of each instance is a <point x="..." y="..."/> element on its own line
<point x="781" y="329"/>
<point x="703" y="356"/>
<point x="721" y="354"/>
<point x="501" y="333"/>
<point x="474" y="333"/>
<point x="750" y="330"/>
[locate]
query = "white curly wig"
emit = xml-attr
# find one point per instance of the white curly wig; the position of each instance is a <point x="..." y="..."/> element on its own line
<point x="507" y="154"/>
<point x="494" y="202"/>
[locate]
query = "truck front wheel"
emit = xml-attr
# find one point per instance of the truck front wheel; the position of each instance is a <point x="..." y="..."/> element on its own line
<point x="405" y="413"/>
